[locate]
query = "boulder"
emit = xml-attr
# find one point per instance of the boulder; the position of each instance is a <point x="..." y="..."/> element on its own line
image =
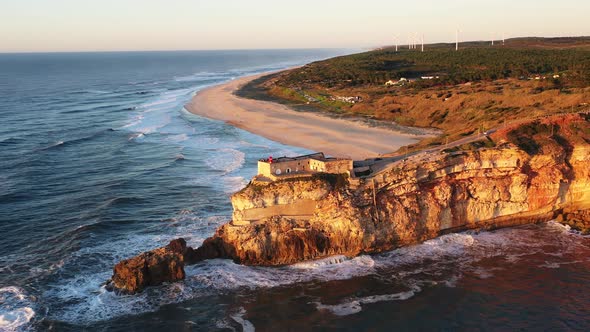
<point x="150" y="268"/>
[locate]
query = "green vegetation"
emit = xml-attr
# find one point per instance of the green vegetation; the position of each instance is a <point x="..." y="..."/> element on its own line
<point x="468" y="91"/>
<point x="475" y="62"/>
<point x="484" y="143"/>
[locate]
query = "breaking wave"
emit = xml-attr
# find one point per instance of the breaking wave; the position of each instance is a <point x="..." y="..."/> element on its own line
<point x="353" y="306"/>
<point x="17" y="309"/>
<point x="227" y="160"/>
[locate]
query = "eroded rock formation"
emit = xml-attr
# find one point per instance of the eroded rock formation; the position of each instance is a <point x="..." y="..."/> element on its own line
<point x="537" y="172"/>
<point x="150" y="268"/>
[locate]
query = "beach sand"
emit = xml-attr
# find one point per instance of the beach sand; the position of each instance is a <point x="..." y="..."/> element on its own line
<point x="334" y="137"/>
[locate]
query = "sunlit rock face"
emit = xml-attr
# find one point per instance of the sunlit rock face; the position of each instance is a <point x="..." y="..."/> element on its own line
<point x="532" y="175"/>
<point x="149" y="268"/>
<point x="290" y="221"/>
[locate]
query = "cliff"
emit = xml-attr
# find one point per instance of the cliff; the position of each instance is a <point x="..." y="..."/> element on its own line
<point x="537" y="171"/>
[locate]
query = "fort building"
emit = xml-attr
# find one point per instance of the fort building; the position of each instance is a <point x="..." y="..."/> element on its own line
<point x="303" y="165"/>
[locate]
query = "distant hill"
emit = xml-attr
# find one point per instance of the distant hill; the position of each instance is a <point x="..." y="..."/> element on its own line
<point x="473" y="62"/>
<point x="460" y="92"/>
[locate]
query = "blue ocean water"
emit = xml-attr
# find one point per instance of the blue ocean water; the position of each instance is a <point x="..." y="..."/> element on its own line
<point x="99" y="161"/>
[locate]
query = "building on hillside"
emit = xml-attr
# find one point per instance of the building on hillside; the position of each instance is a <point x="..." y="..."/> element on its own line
<point x="301" y="165"/>
<point x="401" y="82"/>
<point x="350" y="100"/>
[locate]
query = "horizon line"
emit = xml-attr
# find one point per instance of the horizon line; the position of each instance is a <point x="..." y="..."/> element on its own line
<point x="275" y="49"/>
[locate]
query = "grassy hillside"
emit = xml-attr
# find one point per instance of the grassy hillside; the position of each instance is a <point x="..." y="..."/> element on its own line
<point x="475" y="88"/>
<point x="473" y="62"/>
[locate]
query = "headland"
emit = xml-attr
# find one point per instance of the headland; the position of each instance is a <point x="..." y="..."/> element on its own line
<point x="514" y="148"/>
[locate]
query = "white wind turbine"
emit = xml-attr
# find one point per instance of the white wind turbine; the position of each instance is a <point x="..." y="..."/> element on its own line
<point x="457" y="39"/>
<point x="422" y="42"/>
<point x="492" y="37"/>
<point x="396" y="38"/>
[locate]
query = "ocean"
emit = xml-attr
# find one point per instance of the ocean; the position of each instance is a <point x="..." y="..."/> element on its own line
<point x="100" y="161"/>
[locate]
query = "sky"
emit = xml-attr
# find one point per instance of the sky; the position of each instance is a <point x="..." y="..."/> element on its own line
<point x="124" y="25"/>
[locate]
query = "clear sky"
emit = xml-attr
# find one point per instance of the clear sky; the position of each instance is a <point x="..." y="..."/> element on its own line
<point x="101" y="25"/>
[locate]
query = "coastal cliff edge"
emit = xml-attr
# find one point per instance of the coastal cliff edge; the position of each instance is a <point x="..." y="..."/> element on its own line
<point x="535" y="172"/>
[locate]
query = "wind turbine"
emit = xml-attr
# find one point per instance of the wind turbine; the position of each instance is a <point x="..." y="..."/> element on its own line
<point x="457" y="39"/>
<point x="396" y="37"/>
<point x="422" y="42"/>
<point x="492" y="37"/>
<point x="416" y="40"/>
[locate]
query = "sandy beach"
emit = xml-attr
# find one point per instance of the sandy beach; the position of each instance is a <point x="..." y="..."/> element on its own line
<point x="335" y="137"/>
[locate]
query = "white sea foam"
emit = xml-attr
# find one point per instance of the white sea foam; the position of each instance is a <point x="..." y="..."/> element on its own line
<point x="555" y="225"/>
<point x="441" y="261"/>
<point x="136" y="136"/>
<point x="335" y="268"/>
<point x="343" y="309"/>
<point x="550" y="265"/>
<point x="202" y="76"/>
<point x="451" y="245"/>
<point x="556" y="265"/>
<point x="177" y="138"/>
<point x="151" y="123"/>
<point x="353" y="306"/>
<point x="98" y="92"/>
<point x="52" y="145"/>
<point x="247" y="326"/>
<point x="133" y="122"/>
<point x="157" y="113"/>
<point x="226" y="160"/>
<point x="231" y="184"/>
<point x="223" y="274"/>
<point x="566" y="229"/>
<point x="16" y="311"/>
<point x="87" y="299"/>
<point x="162" y="101"/>
<point x="91" y="305"/>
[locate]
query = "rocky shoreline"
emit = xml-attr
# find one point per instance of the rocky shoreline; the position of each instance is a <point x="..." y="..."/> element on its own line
<point x="537" y="171"/>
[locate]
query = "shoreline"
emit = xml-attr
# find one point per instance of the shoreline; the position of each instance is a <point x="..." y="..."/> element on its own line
<point x="280" y="123"/>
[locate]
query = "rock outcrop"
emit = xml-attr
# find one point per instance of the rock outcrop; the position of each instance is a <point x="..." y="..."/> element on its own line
<point x="537" y="172"/>
<point x="150" y="268"/>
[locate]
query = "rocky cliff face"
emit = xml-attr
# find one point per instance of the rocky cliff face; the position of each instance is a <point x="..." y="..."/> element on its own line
<point x="538" y="171"/>
<point x="535" y="175"/>
<point x="150" y="268"/>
